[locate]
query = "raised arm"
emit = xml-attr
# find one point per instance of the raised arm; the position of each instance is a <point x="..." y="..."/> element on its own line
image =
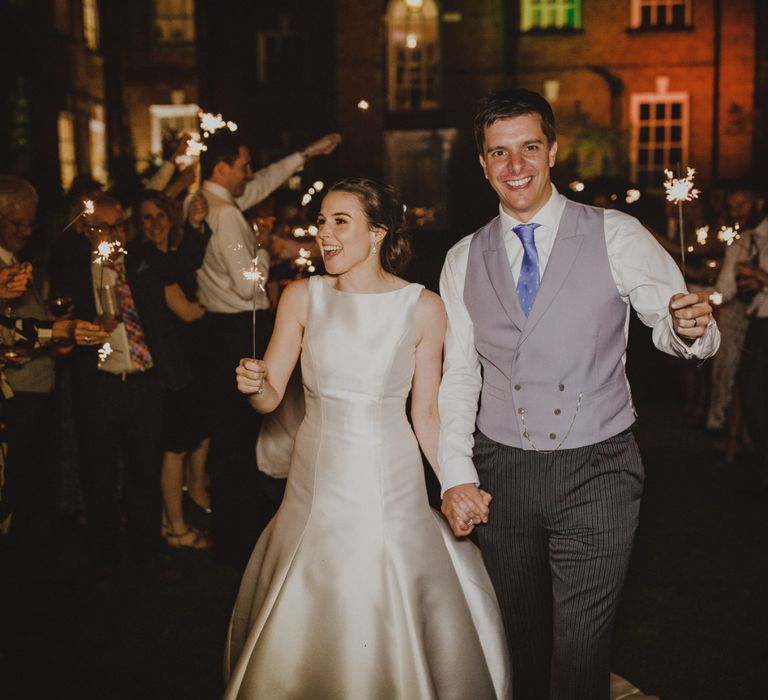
<point x="430" y="324"/>
<point x="264" y="381"/>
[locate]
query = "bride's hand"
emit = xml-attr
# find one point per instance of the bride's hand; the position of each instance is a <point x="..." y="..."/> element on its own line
<point x="465" y="506"/>
<point x="251" y="375"/>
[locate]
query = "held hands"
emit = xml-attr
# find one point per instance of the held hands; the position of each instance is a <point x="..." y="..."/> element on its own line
<point x="465" y="506"/>
<point x="251" y="375"/>
<point x="690" y="314"/>
<point x="14" y="280"/>
<point x="323" y="146"/>
<point x="82" y="332"/>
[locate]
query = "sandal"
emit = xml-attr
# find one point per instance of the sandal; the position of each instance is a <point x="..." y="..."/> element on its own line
<point x="189" y="539"/>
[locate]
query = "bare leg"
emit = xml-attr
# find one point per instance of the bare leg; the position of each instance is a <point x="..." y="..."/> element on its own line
<point x="196" y="476"/>
<point x="171" y="478"/>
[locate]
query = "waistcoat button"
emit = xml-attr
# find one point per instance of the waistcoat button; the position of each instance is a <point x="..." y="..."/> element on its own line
<point x="557" y="411"/>
<point x="561" y="387"/>
<point x="552" y="436"/>
<point x="521" y="411"/>
<point x="517" y="387"/>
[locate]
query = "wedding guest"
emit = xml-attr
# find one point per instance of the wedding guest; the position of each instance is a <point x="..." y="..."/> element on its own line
<point x="243" y="500"/>
<point x="744" y="278"/>
<point x="118" y="396"/>
<point x="170" y="319"/>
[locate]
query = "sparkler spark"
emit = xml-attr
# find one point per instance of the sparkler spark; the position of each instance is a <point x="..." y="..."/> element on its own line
<point x="701" y="234"/>
<point x="195" y="148"/>
<point x="106" y="249"/>
<point x="680" y="189"/>
<point x="89" y="206"/>
<point x="105" y="351"/>
<point x="728" y="234"/>
<point x="716" y="298"/>
<point x="577" y="186"/>
<point x="632" y="196"/>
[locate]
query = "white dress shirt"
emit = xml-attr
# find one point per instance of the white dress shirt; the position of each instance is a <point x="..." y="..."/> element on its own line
<point x="645" y="277"/>
<point x="742" y="250"/>
<point x="223" y="283"/>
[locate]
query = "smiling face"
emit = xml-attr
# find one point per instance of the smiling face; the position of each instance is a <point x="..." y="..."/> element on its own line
<point x="516" y="160"/>
<point x="155" y="224"/>
<point x="344" y="233"/>
<point x="234" y="177"/>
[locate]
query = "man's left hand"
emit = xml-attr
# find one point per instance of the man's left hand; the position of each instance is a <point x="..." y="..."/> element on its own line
<point x="690" y="314"/>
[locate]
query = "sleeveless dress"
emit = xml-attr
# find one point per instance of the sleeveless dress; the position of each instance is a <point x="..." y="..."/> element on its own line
<point x="357" y="589"/>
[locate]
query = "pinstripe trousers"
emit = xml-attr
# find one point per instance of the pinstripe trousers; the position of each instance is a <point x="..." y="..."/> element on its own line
<point x="557" y="548"/>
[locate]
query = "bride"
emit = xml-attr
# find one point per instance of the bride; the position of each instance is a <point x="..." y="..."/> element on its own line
<point x="357" y="589"/>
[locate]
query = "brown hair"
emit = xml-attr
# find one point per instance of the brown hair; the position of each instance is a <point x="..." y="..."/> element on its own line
<point x="512" y="102"/>
<point x="164" y="204"/>
<point x="383" y="209"/>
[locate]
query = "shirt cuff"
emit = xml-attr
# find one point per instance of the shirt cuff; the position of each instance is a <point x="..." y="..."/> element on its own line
<point x="457" y="472"/>
<point x="699" y="348"/>
<point x="45" y="334"/>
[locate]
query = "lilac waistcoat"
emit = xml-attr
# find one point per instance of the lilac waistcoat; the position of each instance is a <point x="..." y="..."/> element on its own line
<point x="553" y="380"/>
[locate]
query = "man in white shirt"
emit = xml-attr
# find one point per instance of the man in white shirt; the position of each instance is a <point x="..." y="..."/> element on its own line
<point x="745" y="275"/>
<point x="535" y="407"/>
<point x="242" y="499"/>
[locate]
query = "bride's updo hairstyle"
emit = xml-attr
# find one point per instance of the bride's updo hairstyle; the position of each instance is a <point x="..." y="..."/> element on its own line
<point x="383" y="209"/>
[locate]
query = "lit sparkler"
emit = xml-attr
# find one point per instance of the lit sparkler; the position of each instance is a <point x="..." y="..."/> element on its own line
<point x="632" y="196"/>
<point x="195" y="148"/>
<point x="728" y="234"/>
<point x="363" y="105"/>
<point x="577" y="186"/>
<point x="105" y="351"/>
<point x="254" y="275"/>
<point x="701" y="234"/>
<point x="679" y="190"/>
<point x="88" y="208"/>
<point x="716" y="298"/>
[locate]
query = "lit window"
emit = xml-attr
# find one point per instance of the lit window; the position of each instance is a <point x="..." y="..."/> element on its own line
<point x="412" y="55"/>
<point x="167" y="122"/>
<point x="661" y="13"/>
<point x="174" y="21"/>
<point x="91" y="24"/>
<point x="67" y="161"/>
<point x="98" y="143"/>
<point x="550" y="14"/>
<point x="659" y="135"/>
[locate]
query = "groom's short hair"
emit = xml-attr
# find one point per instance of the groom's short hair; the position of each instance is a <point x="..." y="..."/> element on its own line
<point x="512" y="102"/>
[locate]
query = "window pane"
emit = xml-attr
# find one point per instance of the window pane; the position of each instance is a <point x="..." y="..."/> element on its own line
<point x="677" y="110"/>
<point x="659" y="134"/>
<point x="660" y="110"/>
<point x="676" y="134"/>
<point x="645" y="111"/>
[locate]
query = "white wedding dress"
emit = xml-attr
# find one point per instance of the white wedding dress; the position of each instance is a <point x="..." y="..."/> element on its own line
<point x="357" y="589"/>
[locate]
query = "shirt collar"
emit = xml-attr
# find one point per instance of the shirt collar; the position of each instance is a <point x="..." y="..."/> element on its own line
<point x="547" y="217"/>
<point x="218" y="191"/>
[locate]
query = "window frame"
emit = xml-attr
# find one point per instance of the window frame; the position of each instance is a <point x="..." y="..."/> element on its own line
<point x="655" y="98"/>
<point x="66" y="148"/>
<point x="527" y="10"/>
<point x="636" y="15"/>
<point x="409" y="72"/>
<point x="188" y="20"/>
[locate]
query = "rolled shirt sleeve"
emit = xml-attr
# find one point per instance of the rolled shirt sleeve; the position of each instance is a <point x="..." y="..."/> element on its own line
<point x="647" y="276"/>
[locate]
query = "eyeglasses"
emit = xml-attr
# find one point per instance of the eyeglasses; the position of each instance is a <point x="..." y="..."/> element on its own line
<point x="103" y="228"/>
<point x="20" y="225"/>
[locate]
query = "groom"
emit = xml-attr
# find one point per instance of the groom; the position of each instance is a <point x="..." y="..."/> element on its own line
<point x="535" y="406"/>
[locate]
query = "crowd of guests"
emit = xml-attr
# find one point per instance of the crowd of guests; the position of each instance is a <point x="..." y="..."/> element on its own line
<point x="128" y="328"/>
<point x="727" y="395"/>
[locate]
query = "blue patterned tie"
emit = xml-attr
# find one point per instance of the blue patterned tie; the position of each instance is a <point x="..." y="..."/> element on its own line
<point x="528" y="282"/>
